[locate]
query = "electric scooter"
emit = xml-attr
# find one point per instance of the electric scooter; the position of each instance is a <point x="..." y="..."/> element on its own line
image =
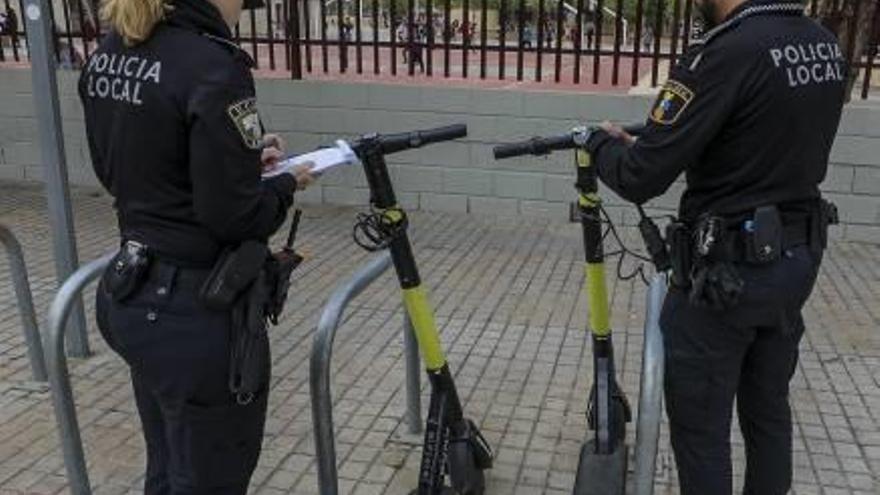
<point x="452" y="444"/>
<point x="603" y="460"/>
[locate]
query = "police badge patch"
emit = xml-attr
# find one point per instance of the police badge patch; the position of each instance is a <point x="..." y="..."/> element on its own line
<point x="246" y="118"/>
<point x="673" y="99"/>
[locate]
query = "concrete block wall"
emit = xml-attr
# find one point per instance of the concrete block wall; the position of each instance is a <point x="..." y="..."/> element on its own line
<point x="460" y="176"/>
<point x="20" y="157"/>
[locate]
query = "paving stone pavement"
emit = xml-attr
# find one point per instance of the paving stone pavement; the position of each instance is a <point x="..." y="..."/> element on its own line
<point x="509" y="303"/>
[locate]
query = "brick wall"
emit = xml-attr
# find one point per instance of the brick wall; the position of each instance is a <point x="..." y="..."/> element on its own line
<point x="459" y="176"/>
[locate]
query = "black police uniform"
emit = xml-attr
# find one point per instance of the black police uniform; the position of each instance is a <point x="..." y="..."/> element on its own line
<point x="176" y="138"/>
<point x="749" y="114"/>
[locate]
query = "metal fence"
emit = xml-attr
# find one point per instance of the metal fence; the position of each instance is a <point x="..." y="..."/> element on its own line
<point x="603" y="44"/>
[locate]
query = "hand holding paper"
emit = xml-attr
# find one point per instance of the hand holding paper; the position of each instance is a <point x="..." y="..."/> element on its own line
<point x="323" y="160"/>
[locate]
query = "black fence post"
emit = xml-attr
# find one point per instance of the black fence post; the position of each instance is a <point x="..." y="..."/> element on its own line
<point x="597" y="46"/>
<point x="637" y="42"/>
<point x="618" y="40"/>
<point x="484" y="29"/>
<point x="872" y="52"/>
<point x="292" y="34"/>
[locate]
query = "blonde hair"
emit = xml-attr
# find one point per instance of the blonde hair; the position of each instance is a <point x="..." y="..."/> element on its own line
<point x="134" y="20"/>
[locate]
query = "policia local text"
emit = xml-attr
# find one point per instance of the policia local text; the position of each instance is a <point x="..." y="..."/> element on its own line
<point x="120" y="78"/>
<point x="809" y="64"/>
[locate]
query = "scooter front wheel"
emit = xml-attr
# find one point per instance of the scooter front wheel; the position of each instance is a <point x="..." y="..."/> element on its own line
<point x="601" y="474"/>
<point x="605" y="474"/>
<point x="465" y="476"/>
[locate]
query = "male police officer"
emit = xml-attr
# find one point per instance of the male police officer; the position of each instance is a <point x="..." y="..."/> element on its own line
<point x="749" y="114"/>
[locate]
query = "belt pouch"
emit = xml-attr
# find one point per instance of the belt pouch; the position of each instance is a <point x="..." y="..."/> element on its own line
<point x="681" y="253"/>
<point x="126" y="271"/>
<point x="233" y="273"/>
<point x="763" y="236"/>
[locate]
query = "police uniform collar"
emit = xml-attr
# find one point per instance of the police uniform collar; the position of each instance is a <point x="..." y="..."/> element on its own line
<point x="200" y="16"/>
<point x="203" y="18"/>
<point x="750" y="9"/>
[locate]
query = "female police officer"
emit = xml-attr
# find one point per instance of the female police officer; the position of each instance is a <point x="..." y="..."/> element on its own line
<point x="176" y="138"/>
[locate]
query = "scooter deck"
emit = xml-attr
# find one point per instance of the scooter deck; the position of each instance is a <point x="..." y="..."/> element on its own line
<point x="601" y="474"/>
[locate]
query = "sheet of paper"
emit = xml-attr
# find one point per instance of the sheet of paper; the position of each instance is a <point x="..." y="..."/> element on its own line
<point x="324" y="160"/>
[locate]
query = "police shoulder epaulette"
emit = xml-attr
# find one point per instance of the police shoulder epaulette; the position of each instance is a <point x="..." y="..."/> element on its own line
<point x="231" y="45"/>
<point x="223" y="41"/>
<point x="724" y="27"/>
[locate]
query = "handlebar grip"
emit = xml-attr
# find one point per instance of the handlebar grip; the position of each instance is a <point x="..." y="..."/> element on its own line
<point x="563" y="142"/>
<point x="440" y="134"/>
<point x="394" y="143"/>
<point x="512" y="150"/>
<point x="535" y="146"/>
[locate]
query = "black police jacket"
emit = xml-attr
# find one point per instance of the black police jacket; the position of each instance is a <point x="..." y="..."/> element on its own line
<point x="176" y="138"/>
<point x="749" y="113"/>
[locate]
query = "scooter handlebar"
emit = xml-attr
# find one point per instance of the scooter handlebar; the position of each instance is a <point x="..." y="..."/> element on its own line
<point x="541" y="146"/>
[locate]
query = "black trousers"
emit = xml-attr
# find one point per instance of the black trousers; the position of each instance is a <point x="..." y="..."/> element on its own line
<point x="417" y="58"/>
<point x="748" y="354"/>
<point x="199" y="439"/>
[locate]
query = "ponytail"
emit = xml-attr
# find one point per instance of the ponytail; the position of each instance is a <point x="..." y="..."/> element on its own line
<point x="134" y="20"/>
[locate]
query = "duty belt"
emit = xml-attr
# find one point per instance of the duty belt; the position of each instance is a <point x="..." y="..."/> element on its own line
<point x="733" y="245"/>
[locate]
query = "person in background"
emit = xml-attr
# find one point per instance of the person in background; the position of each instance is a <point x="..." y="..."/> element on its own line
<point x="590" y="30"/>
<point x="12" y="26"/>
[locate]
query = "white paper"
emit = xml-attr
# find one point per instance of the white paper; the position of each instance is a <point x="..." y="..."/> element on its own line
<point x="323" y="159"/>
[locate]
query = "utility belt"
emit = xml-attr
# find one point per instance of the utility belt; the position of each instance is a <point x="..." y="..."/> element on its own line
<point x="249" y="281"/>
<point x="704" y="254"/>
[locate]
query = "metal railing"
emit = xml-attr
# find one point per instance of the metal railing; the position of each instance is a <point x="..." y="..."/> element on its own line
<point x="322" y="351"/>
<point x="590" y="43"/>
<point x="22" y="288"/>
<point x="59" y="378"/>
<point x="651" y="390"/>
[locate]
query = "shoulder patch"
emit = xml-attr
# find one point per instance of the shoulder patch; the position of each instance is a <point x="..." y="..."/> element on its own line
<point x="671" y="103"/>
<point x="246" y="118"/>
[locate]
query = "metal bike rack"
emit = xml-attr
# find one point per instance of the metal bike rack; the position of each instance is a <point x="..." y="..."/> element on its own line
<point x="59" y="378"/>
<point x="650" y="405"/>
<point x="22" y="288"/>
<point x="322" y="350"/>
<point x="651" y="396"/>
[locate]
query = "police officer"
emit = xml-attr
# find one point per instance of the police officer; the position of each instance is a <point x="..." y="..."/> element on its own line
<point x="749" y="115"/>
<point x="176" y="138"/>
